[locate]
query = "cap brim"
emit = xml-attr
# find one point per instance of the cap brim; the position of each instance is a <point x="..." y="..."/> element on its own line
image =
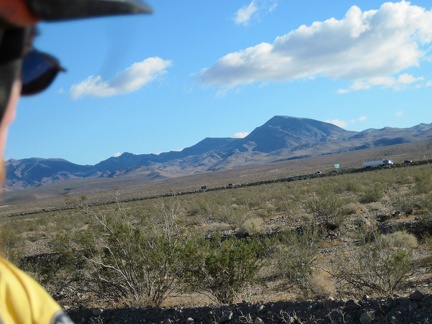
<point x="57" y="10"/>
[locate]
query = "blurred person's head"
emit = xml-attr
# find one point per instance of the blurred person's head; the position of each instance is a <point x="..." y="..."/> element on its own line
<point x="27" y="71"/>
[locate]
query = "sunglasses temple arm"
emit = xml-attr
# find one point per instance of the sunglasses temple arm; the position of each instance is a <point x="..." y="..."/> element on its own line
<point x="9" y="72"/>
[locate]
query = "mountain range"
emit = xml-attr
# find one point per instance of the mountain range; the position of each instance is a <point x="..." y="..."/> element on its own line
<point x="281" y="138"/>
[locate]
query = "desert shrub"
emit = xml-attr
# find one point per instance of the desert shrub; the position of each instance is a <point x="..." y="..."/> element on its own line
<point x="400" y="239"/>
<point x="423" y="182"/>
<point x="220" y="268"/>
<point x="424" y="204"/>
<point x="352" y="186"/>
<point x="327" y="209"/>
<point x="374" y="267"/>
<point x="423" y="227"/>
<point x="322" y="284"/>
<point x="253" y="198"/>
<point x="214" y="227"/>
<point x="427" y="244"/>
<point x="133" y="264"/>
<point x="287" y="205"/>
<point x="371" y="194"/>
<point x="406" y="203"/>
<point x="282" y="197"/>
<point x="252" y="226"/>
<point x="198" y="206"/>
<point x="210" y="207"/>
<point x="296" y="255"/>
<point x="65" y="268"/>
<point x="123" y="260"/>
<point x="352" y="208"/>
<point x="227" y="213"/>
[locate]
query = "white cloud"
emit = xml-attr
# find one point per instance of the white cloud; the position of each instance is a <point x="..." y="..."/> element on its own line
<point x="337" y="122"/>
<point x="342" y="91"/>
<point x="383" y="81"/>
<point x="369" y="48"/>
<point x="240" y="135"/>
<point x="246" y="13"/>
<point x="132" y="79"/>
<point x="221" y="93"/>
<point x="359" y="119"/>
<point x="117" y="154"/>
<point x="399" y="113"/>
<point x="343" y="124"/>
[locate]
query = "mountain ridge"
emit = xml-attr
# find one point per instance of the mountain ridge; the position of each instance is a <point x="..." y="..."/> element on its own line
<point x="280" y="138"/>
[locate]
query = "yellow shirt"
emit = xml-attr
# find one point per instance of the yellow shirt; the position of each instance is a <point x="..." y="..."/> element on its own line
<point x="24" y="301"/>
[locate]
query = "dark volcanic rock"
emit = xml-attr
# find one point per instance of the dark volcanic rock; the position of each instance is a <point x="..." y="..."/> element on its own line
<point x="370" y="310"/>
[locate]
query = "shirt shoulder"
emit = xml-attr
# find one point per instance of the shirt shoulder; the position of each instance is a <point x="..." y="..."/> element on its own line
<point x="23" y="300"/>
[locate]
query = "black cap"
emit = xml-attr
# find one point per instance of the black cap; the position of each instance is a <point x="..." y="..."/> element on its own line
<point x="58" y="10"/>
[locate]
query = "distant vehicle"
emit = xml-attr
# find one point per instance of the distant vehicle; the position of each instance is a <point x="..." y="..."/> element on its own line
<point x="408" y="161"/>
<point x="371" y="164"/>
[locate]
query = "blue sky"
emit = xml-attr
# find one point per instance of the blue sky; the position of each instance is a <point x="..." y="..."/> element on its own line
<point x="196" y="69"/>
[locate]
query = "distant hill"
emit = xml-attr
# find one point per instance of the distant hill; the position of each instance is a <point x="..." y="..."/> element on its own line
<point x="280" y="138"/>
<point x="281" y="133"/>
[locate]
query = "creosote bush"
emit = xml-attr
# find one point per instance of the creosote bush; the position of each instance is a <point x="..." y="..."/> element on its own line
<point x="372" y="194"/>
<point x="374" y="267"/>
<point x="252" y="226"/>
<point x="406" y="203"/>
<point x="220" y="268"/>
<point x="423" y="182"/>
<point x="125" y="261"/>
<point x="67" y="268"/>
<point x="327" y="209"/>
<point x="296" y="255"/>
<point x="132" y="263"/>
<point x="400" y="239"/>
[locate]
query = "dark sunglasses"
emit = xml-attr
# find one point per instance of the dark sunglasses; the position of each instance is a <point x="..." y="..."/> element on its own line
<point x="18" y="60"/>
<point x="38" y="71"/>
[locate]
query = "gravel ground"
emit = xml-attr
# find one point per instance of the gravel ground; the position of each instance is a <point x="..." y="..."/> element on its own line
<point x="415" y="308"/>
